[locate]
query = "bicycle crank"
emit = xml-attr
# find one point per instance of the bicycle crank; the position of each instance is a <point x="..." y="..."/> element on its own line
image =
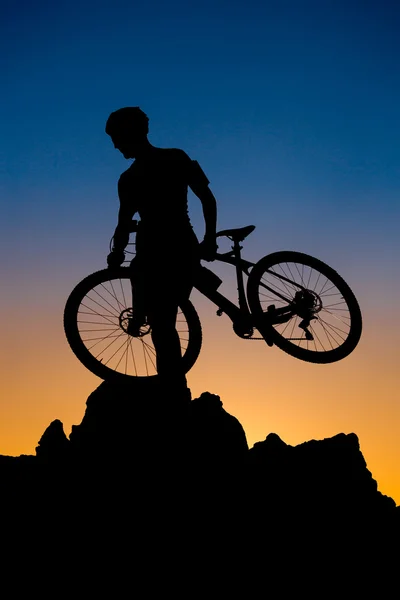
<point x="127" y="324"/>
<point x="243" y="328"/>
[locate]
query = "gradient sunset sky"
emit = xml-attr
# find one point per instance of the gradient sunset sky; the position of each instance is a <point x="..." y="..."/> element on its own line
<point x="292" y="109"/>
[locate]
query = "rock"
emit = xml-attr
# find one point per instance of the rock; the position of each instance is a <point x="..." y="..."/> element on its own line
<point x="134" y="423"/>
<point x="54" y="445"/>
<point x="217" y="440"/>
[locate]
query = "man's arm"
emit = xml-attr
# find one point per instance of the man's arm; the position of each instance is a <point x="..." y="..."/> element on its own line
<point x="198" y="183"/>
<point x="122" y="231"/>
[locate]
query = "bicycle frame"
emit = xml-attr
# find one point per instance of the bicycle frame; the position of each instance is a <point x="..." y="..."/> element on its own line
<point x="291" y="281"/>
<point x="240" y="314"/>
<point x="234" y="312"/>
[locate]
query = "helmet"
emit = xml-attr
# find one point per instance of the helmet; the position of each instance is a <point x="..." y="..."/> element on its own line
<point x="128" y="118"/>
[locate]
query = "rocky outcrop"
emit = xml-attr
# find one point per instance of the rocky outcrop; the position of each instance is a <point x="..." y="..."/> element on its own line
<point x="135" y="424"/>
<point x="53" y="446"/>
<point x="332" y="468"/>
<point x="179" y="472"/>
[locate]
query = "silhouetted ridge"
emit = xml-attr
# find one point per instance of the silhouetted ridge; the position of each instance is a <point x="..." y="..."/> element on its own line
<point x="179" y="472"/>
<point x="329" y="474"/>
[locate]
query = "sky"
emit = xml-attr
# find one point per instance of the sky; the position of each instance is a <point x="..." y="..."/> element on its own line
<point x="291" y="109"/>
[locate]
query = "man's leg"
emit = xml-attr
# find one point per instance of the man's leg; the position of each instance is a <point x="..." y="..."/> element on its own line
<point x="175" y="286"/>
<point x="167" y="345"/>
<point x="166" y="339"/>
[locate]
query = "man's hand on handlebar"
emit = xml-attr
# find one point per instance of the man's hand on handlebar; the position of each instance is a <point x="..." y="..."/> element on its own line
<point x="115" y="258"/>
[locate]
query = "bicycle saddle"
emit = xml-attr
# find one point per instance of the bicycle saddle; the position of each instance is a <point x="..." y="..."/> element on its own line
<point x="237" y="235"/>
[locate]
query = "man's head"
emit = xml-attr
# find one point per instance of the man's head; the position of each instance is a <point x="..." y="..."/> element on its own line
<point x="128" y="128"/>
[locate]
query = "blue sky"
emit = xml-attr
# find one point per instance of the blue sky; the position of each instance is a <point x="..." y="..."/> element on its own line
<point x="306" y="92"/>
<point x="290" y="107"/>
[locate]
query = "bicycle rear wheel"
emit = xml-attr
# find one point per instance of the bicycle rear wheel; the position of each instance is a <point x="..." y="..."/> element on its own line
<point x="309" y="310"/>
<point x="96" y="318"/>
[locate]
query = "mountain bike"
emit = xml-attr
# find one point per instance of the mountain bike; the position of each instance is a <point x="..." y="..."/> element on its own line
<point x="290" y="300"/>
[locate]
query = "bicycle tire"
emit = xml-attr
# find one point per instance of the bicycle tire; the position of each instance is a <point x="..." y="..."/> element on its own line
<point x="337" y="326"/>
<point x="83" y="311"/>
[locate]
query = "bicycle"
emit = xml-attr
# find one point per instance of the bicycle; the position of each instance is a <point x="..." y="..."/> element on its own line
<point x="291" y="300"/>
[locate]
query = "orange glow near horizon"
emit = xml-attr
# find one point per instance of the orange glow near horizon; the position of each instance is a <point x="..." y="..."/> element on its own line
<point x="267" y="390"/>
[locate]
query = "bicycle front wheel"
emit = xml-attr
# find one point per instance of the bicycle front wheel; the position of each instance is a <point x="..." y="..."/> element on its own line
<point x="96" y="318"/>
<point x="309" y="310"/>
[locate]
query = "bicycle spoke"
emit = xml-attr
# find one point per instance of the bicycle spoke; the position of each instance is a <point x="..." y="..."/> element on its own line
<point x="122" y="356"/>
<point x="94" y="312"/>
<point x="285" y="283"/>
<point x="114" y="296"/>
<point x="114" y="312"/>
<point x="298" y="270"/>
<point x="101" y="340"/>
<point x="322" y="291"/>
<point x="270" y="298"/>
<point x="149" y="348"/>
<point x="145" y="359"/>
<point x="328" y="336"/>
<point x="337" y="329"/>
<point x="123" y="293"/>
<point x="334" y="294"/>
<point x="84" y="312"/>
<point x="108" y="346"/>
<point x="294" y="323"/>
<point x="284" y="329"/>
<point x="309" y="279"/>
<point x="326" y="306"/>
<point x="316" y="283"/>
<point x="339" y="317"/>
<point x="126" y="358"/>
<point x="278" y="290"/>
<point x="133" y="357"/>
<point x="151" y="359"/>
<point x="92" y="322"/>
<point x="116" y="351"/>
<point x="291" y="274"/>
<point x="315" y="335"/>
<point x="97" y="329"/>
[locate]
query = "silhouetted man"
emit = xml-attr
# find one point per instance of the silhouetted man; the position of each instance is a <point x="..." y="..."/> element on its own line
<point x="167" y="250"/>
